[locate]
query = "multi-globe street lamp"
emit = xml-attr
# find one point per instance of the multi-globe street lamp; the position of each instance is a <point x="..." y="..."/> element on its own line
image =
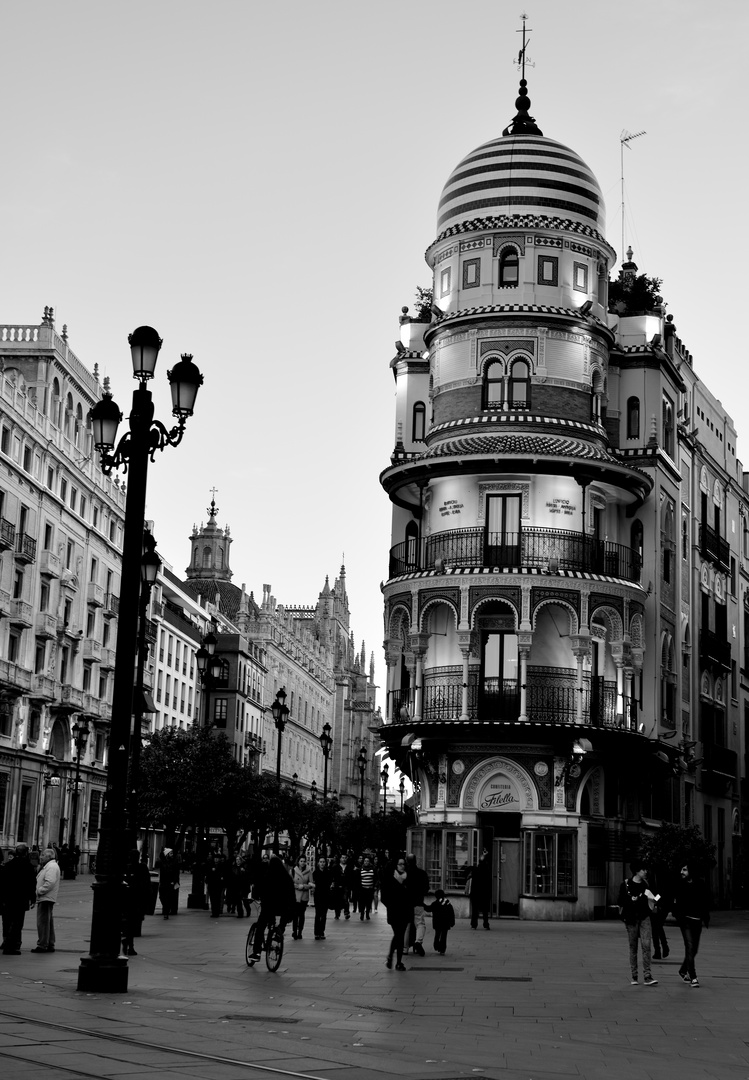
<point x="326" y="743"/>
<point x="104" y="970"/>
<point x="384" y="778"/>
<point x="362" y="761"/>
<point x="81" y="733"/>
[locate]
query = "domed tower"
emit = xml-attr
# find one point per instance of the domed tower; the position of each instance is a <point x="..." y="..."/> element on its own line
<point x="513" y="605"/>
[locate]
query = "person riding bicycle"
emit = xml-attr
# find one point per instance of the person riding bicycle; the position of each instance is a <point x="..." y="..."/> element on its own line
<point x="274" y="888"/>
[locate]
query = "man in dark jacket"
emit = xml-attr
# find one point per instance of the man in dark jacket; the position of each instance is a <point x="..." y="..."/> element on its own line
<point x="481" y="890"/>
<point x="692" y="910"/>
<point x="634" y="908"/>
<point x="417" y="884"/>
<point x="17" y="895"/>
<point x="274" y="889"/>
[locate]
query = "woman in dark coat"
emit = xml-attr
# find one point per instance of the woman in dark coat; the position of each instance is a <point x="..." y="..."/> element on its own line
<point x="322" y="879"/>
<point x="137" y="900"/>
<point x="395" y="896"/>
<point x="168" y="866"/>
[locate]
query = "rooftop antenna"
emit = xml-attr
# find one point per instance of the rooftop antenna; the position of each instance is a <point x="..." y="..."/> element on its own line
<point x="522" y="57"/>
<point x="625" y="139"/>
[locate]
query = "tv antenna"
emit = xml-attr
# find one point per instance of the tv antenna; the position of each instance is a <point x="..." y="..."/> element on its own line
<point x="625" y="139"/>
<point x="522" y="57"/>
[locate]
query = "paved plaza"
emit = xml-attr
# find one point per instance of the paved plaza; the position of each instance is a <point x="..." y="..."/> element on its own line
<point x="523" y="1001"/>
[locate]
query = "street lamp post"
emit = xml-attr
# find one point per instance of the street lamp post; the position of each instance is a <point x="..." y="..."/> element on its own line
<point x="81" y="733"/>
<point x="402" y="790"/>
<point x="209" y="670"/>
<point x="104" y="970"/>
<point x="384" y="778"/>
<point x="280" y="711"/>
<point x="362" y="760"/>
<point x="326" y="743"/>
<point x="313" y="791"/>
<point x="150" y="564"/>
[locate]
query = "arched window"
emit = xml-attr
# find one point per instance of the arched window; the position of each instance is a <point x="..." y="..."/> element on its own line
<point x="78" y="424"/>
<point x="68" y="415"/>
<point x="520" y="385"/>
<point x="494" y="387"/>
<point x="633" y="418"/>
<point x="206" y="558"/>
<point x="412" y="546"/>
<point x="509" y="266"/>
<point x="418" y="430"/>
<point x="596" y="401"/>
<point x="636" y="543"/>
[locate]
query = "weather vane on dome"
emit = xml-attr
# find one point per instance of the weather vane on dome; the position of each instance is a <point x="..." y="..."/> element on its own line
<point x="523" y="123"/>
<point x="523" y="58"/>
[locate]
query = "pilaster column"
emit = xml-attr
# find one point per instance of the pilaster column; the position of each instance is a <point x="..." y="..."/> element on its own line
<point x="392" y="649"/>
<point x="525" y="639"/>
<point x="419" y="643"/>
<point x="465" y="641"/>
<point x="580" y="650"/>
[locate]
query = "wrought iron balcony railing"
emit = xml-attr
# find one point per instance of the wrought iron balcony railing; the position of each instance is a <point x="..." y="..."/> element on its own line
<point x="714" y="547"/>
<point x="547" y="701"/>
<point x="549" y="550"/>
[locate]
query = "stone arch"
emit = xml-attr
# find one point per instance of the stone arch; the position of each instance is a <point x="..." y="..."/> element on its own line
<point x="494" y="598"/>
<point x="611" y="621"/>
<point x="635" y="630"/>
<point x="59" y="740"/>
<point x="557" y="601"/>
<point x="399" y="623"/>
<point x="591" y="792"/>
<point x="439" y="601"/>
<point x="522" y="787"/>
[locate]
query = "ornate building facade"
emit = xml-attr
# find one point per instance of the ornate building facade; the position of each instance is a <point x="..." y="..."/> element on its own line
<point x="561" y="541"/>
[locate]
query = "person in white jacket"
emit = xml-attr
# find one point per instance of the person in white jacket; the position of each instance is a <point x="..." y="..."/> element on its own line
<point x="47" y="888"/>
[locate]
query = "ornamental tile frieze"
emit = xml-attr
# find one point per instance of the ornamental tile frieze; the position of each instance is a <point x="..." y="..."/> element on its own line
<point x="569" y="597"/>
<point x="428" y="597"/>
<point x="492" y="767"/>
<point x="480" y="595"/>
<point x="507" y="345"/>
<point x="507" y="240"/>
<point x="604" y="599"/>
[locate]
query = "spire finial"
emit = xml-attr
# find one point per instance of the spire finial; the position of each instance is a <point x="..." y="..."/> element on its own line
<point x="212" y="510"/>
<point x="523" y="123"/>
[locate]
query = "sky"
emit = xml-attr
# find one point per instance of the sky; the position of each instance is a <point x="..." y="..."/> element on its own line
<point x="259" y="181"/>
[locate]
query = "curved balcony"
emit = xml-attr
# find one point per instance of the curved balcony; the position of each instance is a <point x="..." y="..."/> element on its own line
<point x="551" y="698"/>
<point x="549" y="550"/>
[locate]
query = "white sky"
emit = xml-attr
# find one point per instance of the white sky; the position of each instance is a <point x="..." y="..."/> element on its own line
<point x="260" y="182"/>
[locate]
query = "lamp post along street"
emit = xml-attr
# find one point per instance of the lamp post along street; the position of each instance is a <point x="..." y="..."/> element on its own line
<point x="326" y="743"/>
<point x="149" y="570"/>
<point x="209" y="669"/>
<point x="104" y="970"/>
<point x="81" y="733"/>
<point x="279" y="711"/>
<point x="362" y="771"/>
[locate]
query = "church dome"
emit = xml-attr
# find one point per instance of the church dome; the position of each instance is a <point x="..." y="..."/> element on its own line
<point x="522" y="173"/>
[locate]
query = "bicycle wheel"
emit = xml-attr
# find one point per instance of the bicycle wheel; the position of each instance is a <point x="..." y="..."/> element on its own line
<point x="273" y="949"/>
<point x="249" y="947"/>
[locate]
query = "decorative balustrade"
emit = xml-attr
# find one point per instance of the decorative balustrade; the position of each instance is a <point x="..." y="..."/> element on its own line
<point x="549" y="550"/>
<point x="25" y="548"/>
<point x="111" y="605"/>
<point x="714" y="547"/>
<point x="7" y="535"/>
<point x="551" y="698"/>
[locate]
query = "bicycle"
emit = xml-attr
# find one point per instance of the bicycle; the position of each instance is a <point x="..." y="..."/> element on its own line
<point x="272" y="946"/>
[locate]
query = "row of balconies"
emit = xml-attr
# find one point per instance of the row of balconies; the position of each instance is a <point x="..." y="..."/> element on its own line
<point x="547" y="550"/>
<point x="714" y="547"/>
<point x="44" y="688"/>
<point x="22" y="545"/>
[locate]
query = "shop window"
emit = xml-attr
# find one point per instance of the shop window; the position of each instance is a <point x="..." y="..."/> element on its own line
<point x="549" y="863"/>
<point x="445" y="854"/>
<point x="509" y="269"/>
<point x="633" y="418"/>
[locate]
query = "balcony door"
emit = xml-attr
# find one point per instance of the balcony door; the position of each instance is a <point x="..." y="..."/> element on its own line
<point x="499" y="675"/>
<point x="502" y="541"/>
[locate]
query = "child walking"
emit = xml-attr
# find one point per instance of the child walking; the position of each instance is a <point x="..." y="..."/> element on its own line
<point x="443" y="917"/>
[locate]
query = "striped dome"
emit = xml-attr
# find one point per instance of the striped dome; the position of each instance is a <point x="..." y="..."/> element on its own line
<point x="522" y="174"/>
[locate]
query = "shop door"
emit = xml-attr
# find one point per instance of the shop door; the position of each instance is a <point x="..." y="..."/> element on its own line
<point x="508" y="860"/>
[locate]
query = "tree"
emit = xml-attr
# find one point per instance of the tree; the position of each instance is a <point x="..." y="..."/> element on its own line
<point x="423" y="303"/>
<point x="635" y="296"/>
<point x="667" y="850"/>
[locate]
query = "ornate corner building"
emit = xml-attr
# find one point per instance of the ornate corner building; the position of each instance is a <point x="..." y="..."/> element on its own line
<point x="569" y="541"/>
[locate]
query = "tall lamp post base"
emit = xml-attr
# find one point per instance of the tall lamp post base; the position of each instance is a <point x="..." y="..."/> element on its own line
<point x="103" y="975"/>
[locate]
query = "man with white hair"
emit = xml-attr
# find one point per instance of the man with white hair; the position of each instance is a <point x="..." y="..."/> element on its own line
<point x="47" y="888"/>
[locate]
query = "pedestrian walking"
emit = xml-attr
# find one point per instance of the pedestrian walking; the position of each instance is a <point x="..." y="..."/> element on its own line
<point x="418" y="887"/>
<point x="137" y="900"/>
<point x="47" y="890"/>
<point x="366" y="889"/>
<point x="661" y="884"/>
<point x="215" y="880"/>
<point x="167" y="865"/>
<point x="479" y="889"/>
<point x="443" y="918"/>
<point x="341" y="882"/>
<point x="634" y="908"/>
<point x="17" y="896"/>
<point x="692" y="911"/>
<point x="322" y="880"/>
<point x="397" y="899"/>
<point x="238" y="887"/>
<point x="302" y="878"/>
<point x="354" y="885"/>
